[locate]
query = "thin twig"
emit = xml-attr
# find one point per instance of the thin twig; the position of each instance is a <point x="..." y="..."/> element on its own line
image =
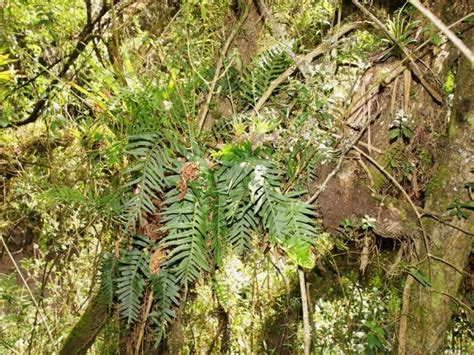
<point x="443" y="28"/>
<point x="17" y="268"/>
<point x="304" y="303"/>
<point x="220" y="62"/>
<point x="462" y="272"/>
<point x="441" y="220"/>
<point x="141" y="330"/>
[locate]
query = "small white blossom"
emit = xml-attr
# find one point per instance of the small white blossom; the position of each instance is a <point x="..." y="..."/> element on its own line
<point x="167" y="105"/>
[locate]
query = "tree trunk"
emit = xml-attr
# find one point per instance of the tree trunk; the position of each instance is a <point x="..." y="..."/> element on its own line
<point x="83" y="335"/>
<point x="429" y="309"/>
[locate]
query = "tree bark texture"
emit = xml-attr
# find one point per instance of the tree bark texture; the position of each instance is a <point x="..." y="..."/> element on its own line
<point x="430" y="308"/>
<point x="83" y="335"/>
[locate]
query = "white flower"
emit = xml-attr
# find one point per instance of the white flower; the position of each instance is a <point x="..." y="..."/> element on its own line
<point x="359" y="347"/>
<point x="167" y="105"/>
<point x="359" y="335"/>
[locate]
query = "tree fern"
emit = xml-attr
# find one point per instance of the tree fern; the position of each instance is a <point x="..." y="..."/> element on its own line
<point x="133" y="271"/>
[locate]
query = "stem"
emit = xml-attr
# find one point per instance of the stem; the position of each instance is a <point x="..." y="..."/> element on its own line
<point x="443" y="28"/>
<point x="304" y="302"/>
<point x="43" y="318"/>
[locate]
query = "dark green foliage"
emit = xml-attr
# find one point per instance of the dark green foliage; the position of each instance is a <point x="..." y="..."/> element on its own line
<point x="459" y="209"/>
<point x="133" y="271"/>
<point x="108" y="270"/>
<point x="166" y="296"/>
<point x="187" y="225"/>
<point x="147" y="174"/>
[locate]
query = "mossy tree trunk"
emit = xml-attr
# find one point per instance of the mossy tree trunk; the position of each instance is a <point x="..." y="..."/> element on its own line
<point x="429" y="309"/>
<point x="84" y="333"/>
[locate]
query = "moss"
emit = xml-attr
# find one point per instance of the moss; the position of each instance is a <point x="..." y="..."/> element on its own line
<point x="425" y="157"/>
<point x="452" y="128"/>
<point x="84" y="333"/>
<point x="379" y="180"/>
<point x="449" y="82"/>
<point x="434" y="188"/>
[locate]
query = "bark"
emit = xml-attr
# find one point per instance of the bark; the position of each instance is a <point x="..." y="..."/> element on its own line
<point x="429" y="309"/>
<point x="83" y="335"/>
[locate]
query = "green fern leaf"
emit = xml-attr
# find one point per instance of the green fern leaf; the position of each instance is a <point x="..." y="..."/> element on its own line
<point x="147" y="175"/>
<point x="133" y="271"/>
<point x="266" y="68"/>
<point x="107" y="275"/>
<point x="186" y="222"/>
<point x="166" y="297"/>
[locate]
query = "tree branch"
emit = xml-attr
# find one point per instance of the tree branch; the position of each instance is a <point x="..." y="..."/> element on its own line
<point x="220" y="63"/>
<point x="84" y="38"/>
<point x="443" y="28"/>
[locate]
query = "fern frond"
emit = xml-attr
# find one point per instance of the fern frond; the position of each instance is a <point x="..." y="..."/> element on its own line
<point x="268" y="66"/>
<point x="243" y="225"/>
<point x="107" y="274"/>
<point x="186" y="222"/>
<point x="147" y="175"/>
<point x="217" y="219"/>
<point x="133" y="271"/>
<point x="166" y="295"/>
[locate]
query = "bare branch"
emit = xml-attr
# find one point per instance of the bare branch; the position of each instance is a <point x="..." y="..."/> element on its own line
<point x="220" y="63"/>
<point x="443" y="28"/>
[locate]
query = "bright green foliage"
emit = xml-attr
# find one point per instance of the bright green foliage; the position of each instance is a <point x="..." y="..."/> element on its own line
<point x="5" y="75"/>
<point x="402" y="29"/>
<point x="459" y="209"/>
<point x="449" y="82"/>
